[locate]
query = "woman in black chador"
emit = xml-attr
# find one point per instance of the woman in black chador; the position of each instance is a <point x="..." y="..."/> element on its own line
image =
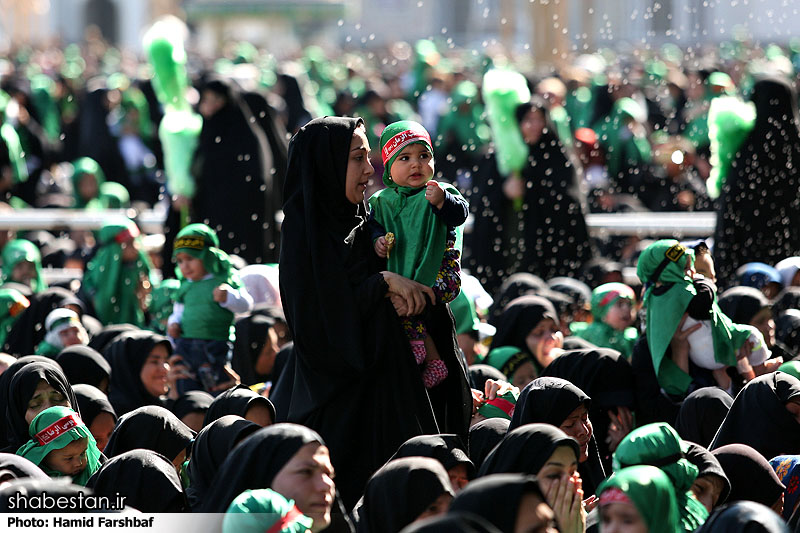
<point x="233" y="171"/>
<point x="759" y="213"/>
<point x="352" y="377"/>
<point x="533" y="222"/>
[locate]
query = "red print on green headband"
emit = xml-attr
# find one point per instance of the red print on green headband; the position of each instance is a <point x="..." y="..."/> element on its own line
<point x="58" y="428"/>
<point x="401" y="140"/>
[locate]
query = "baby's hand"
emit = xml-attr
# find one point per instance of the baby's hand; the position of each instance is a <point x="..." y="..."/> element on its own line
<point x="174" y="330"/>
<point x="380" y="247"/>
<point x="434" y="194"/>
<point x="221" y="293"/>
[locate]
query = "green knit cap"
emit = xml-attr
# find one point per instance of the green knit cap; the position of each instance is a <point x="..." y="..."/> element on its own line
<point x="21" y="250"/>
<point x="53" y="429"/>
<point x="397" y="136"/>
<point x="259" y="510"/>
<point x="649" y="490"/>
<point x="507" y="359"/>
<point x="201" y="242"/>
<point x="605" y="296"/>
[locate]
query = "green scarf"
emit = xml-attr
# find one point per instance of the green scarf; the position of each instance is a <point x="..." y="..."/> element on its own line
<point x="791" y="367"/>
<point x="161" y="300"/>
<point x="260" y="510"/>
<point x="201" y="242"/>
<point x="420" y="235"/>
<point x="659" y="445"/>
<point x="508" y="359"/>
<point x="12" y="304"/>
<point x="22" y="250"/>
<point x="112" y="282"/>
<point x="649" y="490"/>
<point x="665" y="308"/>
<point x="604" y="336"/>
<point x="53" y="429"/>
<point x="81" y="167"/>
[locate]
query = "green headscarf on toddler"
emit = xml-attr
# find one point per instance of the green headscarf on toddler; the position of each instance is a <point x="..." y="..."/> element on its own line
<point x="420" y="235"/>
<point x="649" y="490"/>
<point x="201" y="242"/>
<point x="53" y="429"/>
<point x="599" y="332"/>
<point x="264" y="510"/>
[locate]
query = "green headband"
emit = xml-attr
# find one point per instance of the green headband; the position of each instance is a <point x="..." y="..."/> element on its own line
<point x="397" y="136"/>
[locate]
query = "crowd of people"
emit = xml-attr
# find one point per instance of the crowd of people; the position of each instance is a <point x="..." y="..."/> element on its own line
<point x="376" y="306"/>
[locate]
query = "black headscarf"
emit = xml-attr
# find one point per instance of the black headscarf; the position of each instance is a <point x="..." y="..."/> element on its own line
<point x="5" y="383"/>
<point x="211" y="447"/>
<point x="526" y="449"/>
<point x="28" y="331"/>
<point x="580" y="292"/>
<point x="743" y="517"/>
<point x="484" y="436"/>
<point x="401" y="491"/>
<point x="102" y="340"/>
<point x="514" y="286"/>
<point x="236" y="401"/>
<point x="751" y="476"/>
<point x="789" y="298"/>
<point x="702" y="413"/>
<point x="741" y="304"/>
<point x="518" y="319"/>
<point x="92" y="402"/>
<point x="281" y="360"/>
<point x="18" y="493"/>
<point x="461" y="522"/>
<point x="127" y="354"/>
<point x="146" y="479"/>
<point x="13" y="466"/>
<point x="349" y="345"/>
<point x="550" y="401"/>
<point x="758" y="416"/>
<point x="787" y="332"/>
<point x="22" y="387"/>
<point x="193" y="401"/>
<point x="251" y="335"/>
<point x="449" y="450"/>
<point x="497" y="498"/>
<point x="255" y="462"/>
<point x="478" y="374"/>
<point x="707" y="464"/>
<point x="758" y="215"/>
<point x="151" y="428"/>
<point x="606" y="376"/>
<point x="82" y="364"/>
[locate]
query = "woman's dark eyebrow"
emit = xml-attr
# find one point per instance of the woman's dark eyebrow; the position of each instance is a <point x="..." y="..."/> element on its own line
<point x="359" y="148"/>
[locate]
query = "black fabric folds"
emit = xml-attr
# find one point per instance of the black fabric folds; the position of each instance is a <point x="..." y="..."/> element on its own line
<point x="127" y="354"/>
<point x="251" y="335"/>
<point x="102" y="340"/>
<point x="24" y="490"/>
<point x="236" y="401"/>
<point x="146" y="479"/>
<point x="150" y="428"/>
<point x="16" y="467"/>
<point x="758" y="417"/>
<point x="449" y="450"/>
<point x="5" y="383"/>
<point x="461" y="522"/>
<point x="478" y="374"/>
<point x="210" y="449"/>
<point x="702" y="414"/>
<point x="92" y="402"/>
<point x="82" y="364"/>
<point x="751" y="476"/>
<point x="352" y="376"/>
<point x="741" y="304"/>
<point x="191" y="402"/>
<point x="401" y="491"/>
<point x="743" y="517"/>
<point x="484" y="436"/>
<point x="28" y="331"/>
<point x="255" y="462"/>
<point x="707" y="464"/>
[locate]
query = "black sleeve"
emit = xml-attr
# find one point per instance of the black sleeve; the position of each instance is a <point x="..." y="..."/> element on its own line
<point x="370" y="293"/>
<point x="375" y="228"/>
<point x="454" y="211"/>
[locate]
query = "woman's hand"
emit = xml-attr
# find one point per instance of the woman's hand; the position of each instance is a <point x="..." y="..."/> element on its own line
<point x="565" y="496"/>
<point x="621" y="425"/>
<point x="679" y="344"/>
<point x="410" y="291"/>
<point x="177" y="370"/>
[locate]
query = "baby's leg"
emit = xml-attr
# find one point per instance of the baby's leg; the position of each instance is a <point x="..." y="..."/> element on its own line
<point x="415" y="332"/>
<point x="448" y="281"/>
<point x="435" y="370"/>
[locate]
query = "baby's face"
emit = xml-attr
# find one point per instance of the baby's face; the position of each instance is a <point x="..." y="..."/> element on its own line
<point x="69" y="460"/>
<point x="621" y="315"/>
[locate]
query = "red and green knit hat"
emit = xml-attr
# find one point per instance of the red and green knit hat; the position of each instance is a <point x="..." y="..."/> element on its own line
<point x="606" y="295"/>
<point x="397" y="136"/>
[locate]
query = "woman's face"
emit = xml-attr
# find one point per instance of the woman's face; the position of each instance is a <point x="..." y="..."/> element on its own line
<point x="543" y="338"/>
<point x="525" y="373"/>
<point x="44" y="397"/>
<point x="793" y="406"/>
<point x="259" y="413"/>
<point x="534" y="516"/>
<point x="439" y="506"/>
<point x="561" y="465"/>
<point x="578" y="426"/>
<point x="621" y="518"/>
<point x="707" y="489"/>
<point x="459" y="477"/>
<point x="359" y="169"/>
<point x="154" y="371"/>
<point x="210" y="103"/>
<point x="308" y="480"/>
<point x="23" y="272"/>
<point x="532" y="126"/>
<point x="621" y="315"/>
<point x="101" y="428"/>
